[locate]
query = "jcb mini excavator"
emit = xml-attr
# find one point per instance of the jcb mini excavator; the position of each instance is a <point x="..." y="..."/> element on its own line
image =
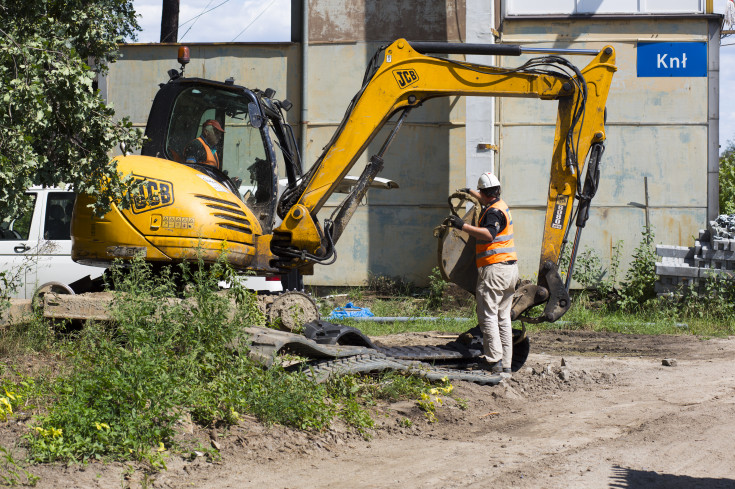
<point x="191" y="210"/>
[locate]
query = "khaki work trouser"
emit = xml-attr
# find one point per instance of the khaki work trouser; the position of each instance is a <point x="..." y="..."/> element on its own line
<point x="495" y="287"/>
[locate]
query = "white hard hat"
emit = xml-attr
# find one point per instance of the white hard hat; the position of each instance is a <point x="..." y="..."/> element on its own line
<point x="488" y="180"/>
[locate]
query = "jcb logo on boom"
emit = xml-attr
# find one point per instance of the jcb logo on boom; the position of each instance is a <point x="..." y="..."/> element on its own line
<point x="154" y="194"/>
<point x="405" y="77"/>
<point x="560" y="210"/>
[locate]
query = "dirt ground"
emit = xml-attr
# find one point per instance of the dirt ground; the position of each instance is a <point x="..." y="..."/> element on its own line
<point x="588" y="410"/>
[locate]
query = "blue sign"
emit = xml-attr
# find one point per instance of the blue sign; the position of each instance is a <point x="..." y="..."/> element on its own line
<point x="672" y="59"/>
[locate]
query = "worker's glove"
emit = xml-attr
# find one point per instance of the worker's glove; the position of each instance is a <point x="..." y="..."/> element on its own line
<point x="456" y="221"/>
<point x="464" y="190"/>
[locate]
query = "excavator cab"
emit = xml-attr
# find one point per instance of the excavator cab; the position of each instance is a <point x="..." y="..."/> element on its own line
<point x="249" y="150"/>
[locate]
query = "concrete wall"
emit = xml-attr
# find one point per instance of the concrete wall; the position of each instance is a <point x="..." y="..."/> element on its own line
<point x="656" y="127"/>
<point x="132" y="82"/>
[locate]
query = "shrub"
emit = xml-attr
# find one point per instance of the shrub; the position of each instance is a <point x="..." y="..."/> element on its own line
<point x="437" y="286"/>
<point x="165" y="359"/>
<point x="727" y="180"/>
<point x="640" y="279"/>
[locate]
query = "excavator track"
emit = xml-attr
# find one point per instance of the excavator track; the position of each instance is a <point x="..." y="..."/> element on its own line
<point x="374" y="362"/>
<point x="457" y="353"/>
<point x="329" y="358"/>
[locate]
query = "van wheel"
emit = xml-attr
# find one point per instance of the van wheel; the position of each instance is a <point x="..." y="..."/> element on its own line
<point x="52" y="287"/>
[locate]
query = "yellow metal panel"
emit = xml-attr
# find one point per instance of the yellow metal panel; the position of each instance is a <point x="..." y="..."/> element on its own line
<point x="175" y="217"/>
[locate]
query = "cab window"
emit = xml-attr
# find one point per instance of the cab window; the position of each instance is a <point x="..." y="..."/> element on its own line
<point x="57" y="224"/>
<point x="240" y="151"/>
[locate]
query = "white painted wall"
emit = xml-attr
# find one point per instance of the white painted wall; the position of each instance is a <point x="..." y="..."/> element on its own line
<point x="480" y="110"/>
<point x="585" y="7"/>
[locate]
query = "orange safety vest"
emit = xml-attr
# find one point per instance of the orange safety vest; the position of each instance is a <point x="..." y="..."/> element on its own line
<point x="212" y="158"/>
<point x="500" y="249"/>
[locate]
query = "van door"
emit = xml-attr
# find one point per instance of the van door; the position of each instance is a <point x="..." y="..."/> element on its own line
<point x="54" y="257"/>
<point x="19" y="237"/>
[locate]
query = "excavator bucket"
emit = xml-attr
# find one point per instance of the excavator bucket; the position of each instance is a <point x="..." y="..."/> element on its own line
<point x="457" y="256"/>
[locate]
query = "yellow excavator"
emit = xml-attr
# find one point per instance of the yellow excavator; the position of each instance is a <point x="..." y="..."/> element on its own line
<point x="189" y="209"/>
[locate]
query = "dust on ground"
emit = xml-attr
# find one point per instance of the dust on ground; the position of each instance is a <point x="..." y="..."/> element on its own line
<point x="587" y="410"/>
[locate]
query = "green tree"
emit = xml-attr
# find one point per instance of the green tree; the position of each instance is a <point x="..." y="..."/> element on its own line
<point x="727" y="180"/>
<point x="54" y="126"/>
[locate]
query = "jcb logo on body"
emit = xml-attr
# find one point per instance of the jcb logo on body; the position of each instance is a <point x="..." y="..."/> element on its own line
<point x="405" y="77"/>
<point x="154" y="194"/>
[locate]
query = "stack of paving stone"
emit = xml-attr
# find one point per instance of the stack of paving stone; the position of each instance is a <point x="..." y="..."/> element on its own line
<point x="713" y="255"/>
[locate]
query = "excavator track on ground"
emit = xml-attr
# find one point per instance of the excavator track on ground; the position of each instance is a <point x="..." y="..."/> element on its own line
<point x="331" y="359"/>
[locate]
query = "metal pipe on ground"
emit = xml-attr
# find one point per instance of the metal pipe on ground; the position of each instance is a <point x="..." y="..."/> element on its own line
<point x="403" y="319"/>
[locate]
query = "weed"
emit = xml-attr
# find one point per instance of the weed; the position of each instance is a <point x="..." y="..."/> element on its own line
<point x="431" y="400"/>
<point x="437" y="286"/>
<point x="592" y="275"/>
<point x="405" y="423"/>
<point x="12" y="473"/>
<point x="638" y="285"/>
<point x="712" y="300"/>
<point x="727" y="180"/>
<point x="130" y="381"/>
<point x="383" y="285"/>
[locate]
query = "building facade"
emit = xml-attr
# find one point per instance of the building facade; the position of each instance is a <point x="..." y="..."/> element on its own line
<point x="660" y="129"/>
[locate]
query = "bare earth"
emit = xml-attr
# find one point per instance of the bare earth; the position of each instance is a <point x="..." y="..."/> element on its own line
<point x="612" y="417"/>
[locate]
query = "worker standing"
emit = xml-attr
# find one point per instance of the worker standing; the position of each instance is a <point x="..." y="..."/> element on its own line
<point x="496" y="261"/>
<point x="204" y="148"/>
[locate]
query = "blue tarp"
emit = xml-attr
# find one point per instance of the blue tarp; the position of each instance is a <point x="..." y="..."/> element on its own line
<point x="350" y="311"/>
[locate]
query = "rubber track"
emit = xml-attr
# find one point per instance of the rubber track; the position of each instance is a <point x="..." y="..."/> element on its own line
<point x="451" y="351"/>
<point x="378" y="362"/>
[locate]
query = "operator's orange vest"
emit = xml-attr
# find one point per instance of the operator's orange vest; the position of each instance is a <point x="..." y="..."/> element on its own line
<point x="502" y="248"/>
<point x="212" y="159"/>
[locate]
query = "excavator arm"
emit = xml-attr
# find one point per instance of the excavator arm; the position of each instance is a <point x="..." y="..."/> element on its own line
<point x="401" y="77"/>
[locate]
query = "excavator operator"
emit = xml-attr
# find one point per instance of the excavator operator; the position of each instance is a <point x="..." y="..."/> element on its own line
<point x="204" y="148"/>
<point x="497" y="267"/>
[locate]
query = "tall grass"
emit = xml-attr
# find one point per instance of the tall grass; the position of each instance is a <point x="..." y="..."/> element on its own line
<point x="162" y="360"/>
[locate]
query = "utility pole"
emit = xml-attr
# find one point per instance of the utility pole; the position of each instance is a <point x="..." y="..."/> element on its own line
<point x="170" y="21"/>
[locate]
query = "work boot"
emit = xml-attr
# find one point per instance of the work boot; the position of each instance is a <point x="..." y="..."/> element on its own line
<point x="493" y="367"/>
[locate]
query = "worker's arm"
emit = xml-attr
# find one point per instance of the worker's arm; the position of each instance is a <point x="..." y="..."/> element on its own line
<point x="492" y="223"/>
<point x="477" y="232"/>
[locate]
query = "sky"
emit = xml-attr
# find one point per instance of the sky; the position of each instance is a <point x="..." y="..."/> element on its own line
<point x="270" y="21"/>
<point x="220" y="20"/>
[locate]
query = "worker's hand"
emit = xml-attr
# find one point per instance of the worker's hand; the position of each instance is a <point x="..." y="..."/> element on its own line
<point x="456" y="221"/>
<point x="465" y="190"/>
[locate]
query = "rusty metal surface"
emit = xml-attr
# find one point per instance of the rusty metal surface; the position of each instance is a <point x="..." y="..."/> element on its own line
<point x="337" y="21"/>
<point x="19" y="311"/>
<point x="457" y="259"/>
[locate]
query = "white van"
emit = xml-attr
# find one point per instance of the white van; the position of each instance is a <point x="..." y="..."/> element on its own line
<point x="35" y="250"/>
